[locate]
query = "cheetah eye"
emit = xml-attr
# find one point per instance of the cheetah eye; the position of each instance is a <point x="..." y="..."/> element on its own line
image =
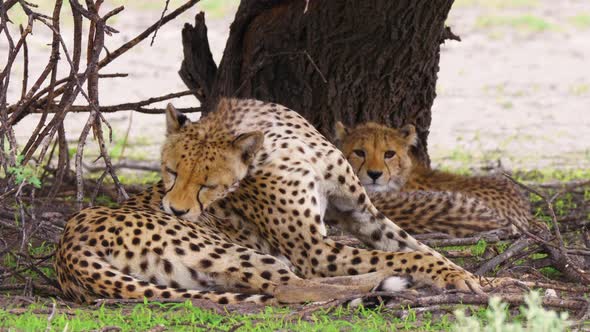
<point x="389" y="154"/>
<point x="171" y="172"/>
<point x="209" y="187"/>
<point x="359" y="153"/>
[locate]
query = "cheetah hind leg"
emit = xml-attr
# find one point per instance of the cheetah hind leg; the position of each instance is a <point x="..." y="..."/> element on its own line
<point x="347" y="286"/>
<point x="128" y="287"/>
<point x="381" y="281"/>
<point x="297" y="290"/>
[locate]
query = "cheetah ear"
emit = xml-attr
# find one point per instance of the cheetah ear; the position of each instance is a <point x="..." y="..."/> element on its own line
<point x="175" y="120"/>
<point x="340" y="131"/>
<point x="409" y="133"/>
<point x="248" y="144"/>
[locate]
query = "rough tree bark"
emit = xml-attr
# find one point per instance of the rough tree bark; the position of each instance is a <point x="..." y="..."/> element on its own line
<point x="347" y="60"/>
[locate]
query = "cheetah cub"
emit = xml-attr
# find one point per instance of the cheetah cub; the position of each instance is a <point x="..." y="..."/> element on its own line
<point x="423" y="200"/>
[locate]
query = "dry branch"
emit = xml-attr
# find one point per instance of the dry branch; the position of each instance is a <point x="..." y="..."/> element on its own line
<point x="514" y="249"/>
<point x="38" y="100"/>
<point x="560" y="253"/>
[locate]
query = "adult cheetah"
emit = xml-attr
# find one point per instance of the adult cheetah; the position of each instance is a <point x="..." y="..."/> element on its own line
<point x="296" y="179"/>
<point x="423" y="200"/>
<point x="245" y="192"/>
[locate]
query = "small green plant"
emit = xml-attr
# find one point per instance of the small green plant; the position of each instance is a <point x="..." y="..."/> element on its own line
<point x="579" y="89"/>
<point x="25" y="173"/>
<point x="479" y="248"/>
<point x="534" y="318"/>
<point x="460" y="156"/>
<point x="580" y="21"/>
<point x="497" y="4"/>
<point x="506" y="104"/>
<point x="565" y="204"/>
<point x="525" y="23"/>
<point x="502" y="246"/>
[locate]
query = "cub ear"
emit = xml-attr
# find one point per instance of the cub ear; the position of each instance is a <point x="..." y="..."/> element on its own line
<point x="340" y="131"/>
<point x="174" y="120"/>
<point x="248" y="144"/>
<point x="408" y="132"/>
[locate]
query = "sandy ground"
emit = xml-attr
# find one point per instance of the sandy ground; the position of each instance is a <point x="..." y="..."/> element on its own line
<point x="516" y="89"/>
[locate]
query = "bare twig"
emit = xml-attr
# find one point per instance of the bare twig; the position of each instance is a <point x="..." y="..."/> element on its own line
<point x="515" y="248"/>
<point x="125" y="138"/>
<point x="25" y="64"/>
<point x="489" y="238"/>
<point x="561" y="255"/>
<point x="160" y="22"/>
<point x="121" y="107"/>
<point x="315" y="66"/>
<point x="127" y="46"/>
<point x="128" y="164"/>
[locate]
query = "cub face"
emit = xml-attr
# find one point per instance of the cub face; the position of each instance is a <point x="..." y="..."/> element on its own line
<point x="200" y="167"/>
<point x="379" y="155"/>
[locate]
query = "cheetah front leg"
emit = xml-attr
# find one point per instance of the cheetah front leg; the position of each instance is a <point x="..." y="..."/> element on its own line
<point x="355" y="213"/>
<point x="340" y="260"/>
<point x="349" y="206"/>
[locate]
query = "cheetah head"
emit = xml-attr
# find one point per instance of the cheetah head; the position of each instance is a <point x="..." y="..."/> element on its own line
<point x="379" y="155"/>
<point x="200" y="165"/>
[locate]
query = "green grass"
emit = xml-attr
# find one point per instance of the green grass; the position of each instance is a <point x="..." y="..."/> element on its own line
<point x="579" y="89"/>
<point x="460" y="155"/>
<point x="186" y="317"/>
<point x="479" y="248"/>
<point x="524" y="23"/>
<point x="217" y="8"/>
<point x="12" y="262"/>
<point x="499" y="4"/>
<point x="552" y="175"/>
<point x="532" y="317"/>
<point x="580" y="21"/>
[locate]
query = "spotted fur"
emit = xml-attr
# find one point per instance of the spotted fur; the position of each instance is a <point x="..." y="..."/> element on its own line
<point x="244" y="198"/>
<point x="423" y="200"/>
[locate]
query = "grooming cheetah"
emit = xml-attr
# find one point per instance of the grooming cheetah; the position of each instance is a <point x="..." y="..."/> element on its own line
<point x="422" y="200"/>
<point x="245" y="191"/>
<point x="295" y="178"/>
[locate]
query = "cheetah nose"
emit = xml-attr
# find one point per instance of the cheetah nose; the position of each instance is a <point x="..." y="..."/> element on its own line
<point x="374" y="175"/>
<point x="178" y="213"/>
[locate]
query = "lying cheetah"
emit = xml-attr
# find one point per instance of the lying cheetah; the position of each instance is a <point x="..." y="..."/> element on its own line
<point x="422" y="200"/>
<point x="245" y="191"/>
<point x="294" y="179"/>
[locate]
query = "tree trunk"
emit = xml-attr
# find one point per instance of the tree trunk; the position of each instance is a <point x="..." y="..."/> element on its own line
<point x="352" y="61"/>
